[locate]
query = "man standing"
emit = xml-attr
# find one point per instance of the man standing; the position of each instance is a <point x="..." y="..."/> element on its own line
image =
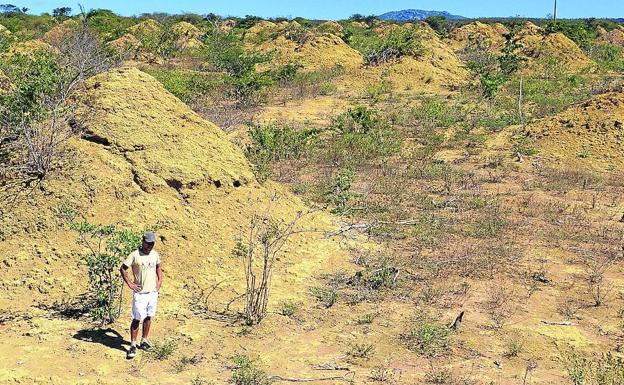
<point x="145" y="264"/>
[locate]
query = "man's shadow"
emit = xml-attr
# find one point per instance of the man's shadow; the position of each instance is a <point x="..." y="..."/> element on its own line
<point x="107" y="337"/>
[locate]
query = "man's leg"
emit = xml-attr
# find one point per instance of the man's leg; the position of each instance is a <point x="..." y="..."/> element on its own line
<point x="147" y="322"/>
<point x="134" y="331"/>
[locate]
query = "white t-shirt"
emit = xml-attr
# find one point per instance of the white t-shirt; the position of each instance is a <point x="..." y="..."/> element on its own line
<point x="144" y="269"/>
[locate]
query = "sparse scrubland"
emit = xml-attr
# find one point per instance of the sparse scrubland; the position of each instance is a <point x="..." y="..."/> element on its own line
<point x="349" y="201"/>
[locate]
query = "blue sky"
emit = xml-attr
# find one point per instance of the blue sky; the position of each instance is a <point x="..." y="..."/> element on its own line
<point x="338" y="9"/>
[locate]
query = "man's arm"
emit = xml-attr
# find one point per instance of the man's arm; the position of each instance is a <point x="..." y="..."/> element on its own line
<point x="159" y="275"/>
<point x="124" y="275"/>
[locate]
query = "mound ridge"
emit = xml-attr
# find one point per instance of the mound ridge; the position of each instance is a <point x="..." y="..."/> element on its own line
<point x="28" y="47"/>
<point x="491" y="35"/>
<point x="187" y="35"/>
<point x="148" y="27"/>
<point x="539" y="47"/>
<point x="60" y="32"/>
<point x="315" y="51"/>
<point x="594" y="128"/>
<point x="166" y="139"/>
<point x="127" y="44"/>
<point x="437" y="69"/>
<point x="615" y="36"/>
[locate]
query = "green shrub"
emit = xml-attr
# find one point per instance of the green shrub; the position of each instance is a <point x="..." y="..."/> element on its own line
<point x="361" y="134"/>
<point x="275" y="143"/>
<point x="366" y="319"/>
<point x="376" y="90"/>
<point x="524" y="146"/>
<point x="163" y="350"/>
<point x="580" y="31"/>
<point x="428" y="338"/>
<point x="328" y="89"/>
<point x="247" y="373"/>
<point x="225" y="52"/>
<point x="609" y="57"/>
<point x="327" y="296"/>
<point x="513" y="347"/>
<point x="339" y="193"/>
<point x="492" y="223"/>
<point x="287" y="72"/>
<point x="289" y="308"/>
<point x="361" y="351"/>
<point x="188" y="86"/>
<point x="35" y="77"/>
<point x="107" y="24"/>
<point x="498" y="122"/>
<point x="396" y="43"/>
<point x="440" y="24"/>
<point x="491" y="83"/>
<point x="280" y="142"/>
<point x="378" y="49"/>
<point x="585" y="369"/>
<point x="107" y="246"/>
<point x="433" y="112"/>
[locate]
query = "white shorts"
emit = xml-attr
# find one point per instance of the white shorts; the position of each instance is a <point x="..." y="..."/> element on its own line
<point x="144" y="305"/>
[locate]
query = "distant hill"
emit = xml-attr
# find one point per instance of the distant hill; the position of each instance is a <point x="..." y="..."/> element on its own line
<point x="416" y="14"/>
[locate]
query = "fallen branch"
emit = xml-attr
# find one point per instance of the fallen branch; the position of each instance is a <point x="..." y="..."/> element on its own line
<point x="334" y="378"/>
<point x="366" y="226"/>
<point x="331" y="366"/>
<point x="558" y="323"/>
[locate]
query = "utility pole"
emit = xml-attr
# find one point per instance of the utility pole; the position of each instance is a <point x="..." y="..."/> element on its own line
<point x="555" y="14"/>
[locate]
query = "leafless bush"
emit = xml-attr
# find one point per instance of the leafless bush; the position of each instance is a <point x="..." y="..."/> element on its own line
<point x="35" y="139"/>
<point x="596" y="263"/>
<point x="568" y="307"/>
<point x="499" y="304"/>
<point x="258" y="250"/>
<point x="225" y="113"/>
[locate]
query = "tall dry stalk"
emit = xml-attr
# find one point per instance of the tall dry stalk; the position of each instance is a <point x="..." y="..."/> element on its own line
<point x="258" y="250"/>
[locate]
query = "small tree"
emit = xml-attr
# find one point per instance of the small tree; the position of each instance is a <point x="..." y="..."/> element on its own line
<point x="107" y="246"/>
<point x="61" y="12"/>
<point x="226" y="53"/>
<point x="258" y="250"/>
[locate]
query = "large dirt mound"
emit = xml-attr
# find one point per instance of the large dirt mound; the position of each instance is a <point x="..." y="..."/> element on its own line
<point x="149" y="27"/>
<point x="147" y="159"/>
<point x="330" y="27"/>
<point x="187" y="35"/>
<point x="29" y="47"/>
<point x="591" y="133"/>
<point x="615" y="36"/>
<point x="550" y="50"/>
<point x="264" y="30"/>
<point x="312" y="49"/>
<point x="127" y="45"/>
<point x="478" y="32"/>
<point x="60" y="32"/>
<point x="160" y="131"/>
<point x="438" y="69"/>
